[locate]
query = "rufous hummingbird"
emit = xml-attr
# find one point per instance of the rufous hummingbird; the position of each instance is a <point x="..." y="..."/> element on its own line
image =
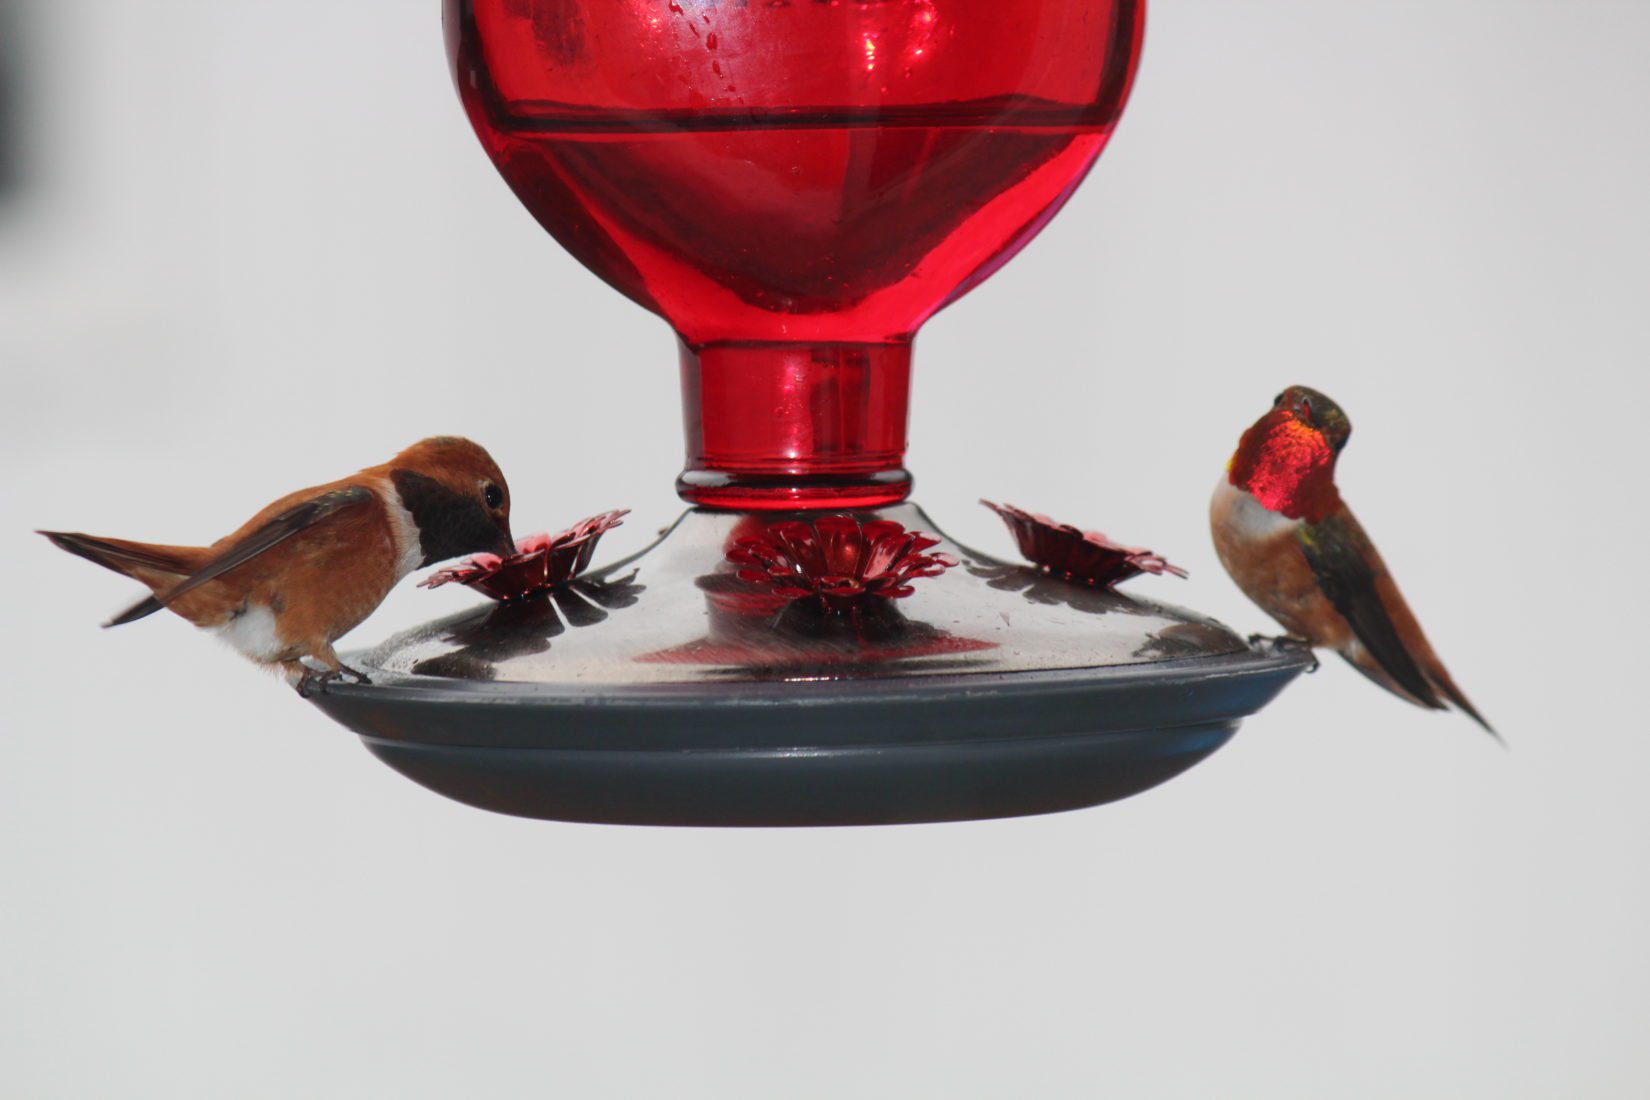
<point x="1290" y="542"/>
<point x="304" y="571"/>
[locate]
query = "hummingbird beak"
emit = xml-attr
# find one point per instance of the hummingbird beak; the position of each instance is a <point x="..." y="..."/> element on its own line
<point x="506" y="544"/>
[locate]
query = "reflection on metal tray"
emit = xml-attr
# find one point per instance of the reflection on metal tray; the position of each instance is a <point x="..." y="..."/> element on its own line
<point x="678" y="613"/>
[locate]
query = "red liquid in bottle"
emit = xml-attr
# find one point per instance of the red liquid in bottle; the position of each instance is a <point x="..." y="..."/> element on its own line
<point x="796" y="185"/>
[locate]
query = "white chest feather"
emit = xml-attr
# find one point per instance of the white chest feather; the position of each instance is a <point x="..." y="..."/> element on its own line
<point x="1243" y="516"/>
<point x="409" y="551"/>
<point x="252" y="633"/>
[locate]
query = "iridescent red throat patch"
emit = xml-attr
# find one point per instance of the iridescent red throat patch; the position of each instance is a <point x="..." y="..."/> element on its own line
<point x="1288" y="466"/>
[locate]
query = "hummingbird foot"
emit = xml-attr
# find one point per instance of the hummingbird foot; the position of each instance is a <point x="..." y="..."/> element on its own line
<point x="1288" y="643"/>
<point x="314" y="682"/>
<point x="356" y="674"/>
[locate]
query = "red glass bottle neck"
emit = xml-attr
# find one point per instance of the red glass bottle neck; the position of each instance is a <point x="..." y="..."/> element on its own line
<point x="795" y="426"/>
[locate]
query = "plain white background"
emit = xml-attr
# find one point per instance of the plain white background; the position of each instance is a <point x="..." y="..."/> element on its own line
<point x="258" y="247"/>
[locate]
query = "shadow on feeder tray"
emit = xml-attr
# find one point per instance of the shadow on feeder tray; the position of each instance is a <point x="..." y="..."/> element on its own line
<point x="1181" y="639"/>
<point x="753" y="632"/>
<point x="526" y="625"/>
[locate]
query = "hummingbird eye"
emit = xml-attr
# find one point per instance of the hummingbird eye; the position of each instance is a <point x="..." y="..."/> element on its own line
<point x="493" y="495"/>
<point x="1306" y="409"/>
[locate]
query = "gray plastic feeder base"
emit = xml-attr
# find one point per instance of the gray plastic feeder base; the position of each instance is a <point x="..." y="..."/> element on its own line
<point x="858" y="752"/>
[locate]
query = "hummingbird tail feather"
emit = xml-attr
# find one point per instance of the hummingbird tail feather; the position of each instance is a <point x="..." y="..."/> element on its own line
<point x="1455" y="695"/>
<point x="143" y="562"/>
<point x="120" y="555"/>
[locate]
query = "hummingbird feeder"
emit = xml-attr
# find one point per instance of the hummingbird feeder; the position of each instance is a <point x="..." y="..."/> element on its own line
<point x="796" y="187"/>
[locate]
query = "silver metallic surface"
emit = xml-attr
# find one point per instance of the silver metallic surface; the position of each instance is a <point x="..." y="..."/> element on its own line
<point x="670" y="615"/>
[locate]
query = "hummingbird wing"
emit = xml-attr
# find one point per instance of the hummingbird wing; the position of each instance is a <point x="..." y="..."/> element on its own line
<point x="1345" y="563"/>
<point x="140" y="610"/>
<point x="273" y="532"/>
<point x="1357" y="583"/>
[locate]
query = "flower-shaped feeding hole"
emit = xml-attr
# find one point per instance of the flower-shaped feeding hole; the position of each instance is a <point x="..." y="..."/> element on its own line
<point x="1072" y="554"/>
<point x="540" y="561"/>
<point x="839" y="560"/>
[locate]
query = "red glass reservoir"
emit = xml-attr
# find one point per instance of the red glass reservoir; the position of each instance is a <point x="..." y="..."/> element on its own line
<point x="796" y="186"/>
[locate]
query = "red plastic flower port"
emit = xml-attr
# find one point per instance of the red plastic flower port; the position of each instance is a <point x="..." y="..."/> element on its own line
<point x="837" y="559"/>
<point x="1086" y="557"/>
<point x="540" y="561"/>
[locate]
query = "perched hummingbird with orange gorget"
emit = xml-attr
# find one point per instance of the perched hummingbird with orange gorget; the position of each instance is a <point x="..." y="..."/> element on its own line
<point x="1290" y="542"/>
<point x="304" y="571"/>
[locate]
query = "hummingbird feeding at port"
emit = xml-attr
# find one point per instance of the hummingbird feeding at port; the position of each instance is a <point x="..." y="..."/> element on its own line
<point x="308" y="568"/>
<point x="1290" y="542"/>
